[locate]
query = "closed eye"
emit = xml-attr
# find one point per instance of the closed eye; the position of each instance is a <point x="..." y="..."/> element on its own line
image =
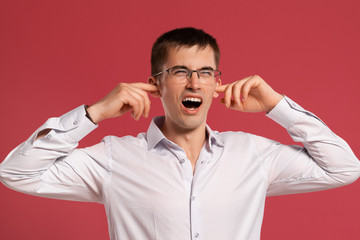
<point x="206" y="73"/>
<point x="180" y="71"/>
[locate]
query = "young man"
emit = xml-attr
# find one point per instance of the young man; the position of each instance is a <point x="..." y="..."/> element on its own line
<point x="181" y="180"/>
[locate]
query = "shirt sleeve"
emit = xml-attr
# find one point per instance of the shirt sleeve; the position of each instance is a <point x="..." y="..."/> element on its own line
<point x="50" y="166"/>
<point x="325" y="161"/>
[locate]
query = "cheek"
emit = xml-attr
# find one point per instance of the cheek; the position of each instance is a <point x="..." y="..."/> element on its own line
<point x="169" y="96"/>
<point x="211" y="92"/>
<point x="169" y="91"/>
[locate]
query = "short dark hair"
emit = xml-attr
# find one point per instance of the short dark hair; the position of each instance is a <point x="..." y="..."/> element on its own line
<point x="181" y="37"/>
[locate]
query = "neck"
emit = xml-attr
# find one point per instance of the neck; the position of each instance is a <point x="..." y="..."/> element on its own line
<point x="191" y="140"/>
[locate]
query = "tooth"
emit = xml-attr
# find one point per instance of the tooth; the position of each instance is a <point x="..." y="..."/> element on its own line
<point x="192" y="99"/>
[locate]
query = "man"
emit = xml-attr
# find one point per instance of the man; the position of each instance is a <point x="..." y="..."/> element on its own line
<point x="180" y="179"/>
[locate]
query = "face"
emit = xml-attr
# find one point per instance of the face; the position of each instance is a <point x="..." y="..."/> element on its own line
<point x="186" y="104"/>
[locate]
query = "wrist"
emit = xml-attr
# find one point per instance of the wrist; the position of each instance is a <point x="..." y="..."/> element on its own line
<point x="276" y="99"/>
<point x="92" y="114"/>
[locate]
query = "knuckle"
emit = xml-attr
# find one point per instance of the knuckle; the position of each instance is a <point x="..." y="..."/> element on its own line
<point x="121" y="85"/>
<point x="123" y="92"/>
<point x="257" y="77"/>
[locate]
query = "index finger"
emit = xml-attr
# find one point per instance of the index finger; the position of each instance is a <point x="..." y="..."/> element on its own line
<point x="221" y="88"/>
<point x="146" y="87"/>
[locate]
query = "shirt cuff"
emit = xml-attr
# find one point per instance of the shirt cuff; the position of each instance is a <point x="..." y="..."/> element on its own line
<point x="70" y="127"/>
<point x="77" y="124"/>
<point x="287" y="112"/>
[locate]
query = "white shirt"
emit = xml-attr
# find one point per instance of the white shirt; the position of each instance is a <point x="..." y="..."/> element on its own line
<point x="147" y="184"/>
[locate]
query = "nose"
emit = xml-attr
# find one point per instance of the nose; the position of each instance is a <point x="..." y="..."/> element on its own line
<point x="193" y="80"/>
<point x="190" y="73"/>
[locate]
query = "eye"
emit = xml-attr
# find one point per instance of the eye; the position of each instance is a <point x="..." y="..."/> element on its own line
<point x="206" y="73"/>
<point x="180" y="72"/>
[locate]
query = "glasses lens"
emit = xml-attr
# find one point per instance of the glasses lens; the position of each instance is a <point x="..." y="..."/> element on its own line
<point x="182" y="74"/>
<point x="206" y="73"/>
<point x="179" y="72"/>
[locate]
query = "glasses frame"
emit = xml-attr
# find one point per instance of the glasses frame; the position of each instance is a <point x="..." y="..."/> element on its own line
<point x="190" y="72"/>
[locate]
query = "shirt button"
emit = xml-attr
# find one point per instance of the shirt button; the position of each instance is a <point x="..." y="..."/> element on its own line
<point x="192" y="198"/>
<point x="48" y="137"/>
<point x="182" y="161"/>
<point x="75" y="122"/>
<point x="201" y="162"/>
<point x="197" y="235"/>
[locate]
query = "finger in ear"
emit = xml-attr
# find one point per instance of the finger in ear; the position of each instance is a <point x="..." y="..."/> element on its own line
<point x="153" y="81"/>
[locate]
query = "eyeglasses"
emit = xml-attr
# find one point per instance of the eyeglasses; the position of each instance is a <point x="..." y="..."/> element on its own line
<point x="183" y="74"/>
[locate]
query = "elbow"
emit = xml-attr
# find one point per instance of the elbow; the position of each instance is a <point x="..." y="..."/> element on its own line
<point x="16" y="181"/>
<point x="5" y="177"/>
<point x="347" y="177"/>
<point x="9" y="177"/>
<point x="2" y="172"/>
<point x="354" y="175"/>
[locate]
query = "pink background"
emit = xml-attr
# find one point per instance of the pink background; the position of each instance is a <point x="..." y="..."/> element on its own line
<point x="57" y="55"/>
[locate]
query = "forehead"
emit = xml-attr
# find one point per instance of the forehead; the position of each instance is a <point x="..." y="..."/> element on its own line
<point x="191" y="57"/>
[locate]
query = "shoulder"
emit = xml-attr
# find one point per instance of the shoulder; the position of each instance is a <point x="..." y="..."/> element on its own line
<point x="128" y="141"/>
<point x="251" y="141"/>
<point x="231" y="136"/>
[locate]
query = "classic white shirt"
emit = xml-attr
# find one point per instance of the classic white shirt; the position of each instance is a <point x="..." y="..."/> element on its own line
<point x="147" y="185"/>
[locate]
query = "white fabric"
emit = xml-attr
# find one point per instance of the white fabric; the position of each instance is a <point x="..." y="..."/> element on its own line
<point x="147" y="184"/>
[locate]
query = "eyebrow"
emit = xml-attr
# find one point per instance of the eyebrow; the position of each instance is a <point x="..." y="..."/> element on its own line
<point x="206" y="68"/>
<point x="203" y="68"/>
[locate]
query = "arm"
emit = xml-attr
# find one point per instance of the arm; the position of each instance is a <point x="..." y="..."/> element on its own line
<point x="48" y="163"/>
<point x="46" y="166"/>
<point x="326" y="161"/>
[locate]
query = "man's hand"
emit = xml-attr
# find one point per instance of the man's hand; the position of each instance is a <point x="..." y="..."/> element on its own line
<point x="251" y="94"/>
<point x="125" y="97"/>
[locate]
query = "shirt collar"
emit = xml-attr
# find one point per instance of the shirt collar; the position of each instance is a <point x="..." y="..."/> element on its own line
<point x="154" y="135"/>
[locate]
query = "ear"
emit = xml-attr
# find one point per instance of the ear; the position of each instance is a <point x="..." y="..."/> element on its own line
<point x="217" y="84"/>
<point x="153" y="81"/>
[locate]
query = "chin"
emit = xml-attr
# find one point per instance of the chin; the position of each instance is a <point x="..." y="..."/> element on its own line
<point x="191" y="124"/>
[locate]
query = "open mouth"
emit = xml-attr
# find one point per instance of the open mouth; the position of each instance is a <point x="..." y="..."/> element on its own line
<point x="191" y="103"/>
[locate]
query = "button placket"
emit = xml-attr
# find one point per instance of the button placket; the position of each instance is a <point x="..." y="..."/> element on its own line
<point x="195" y="214"/>
<point x="187" y="174"/>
